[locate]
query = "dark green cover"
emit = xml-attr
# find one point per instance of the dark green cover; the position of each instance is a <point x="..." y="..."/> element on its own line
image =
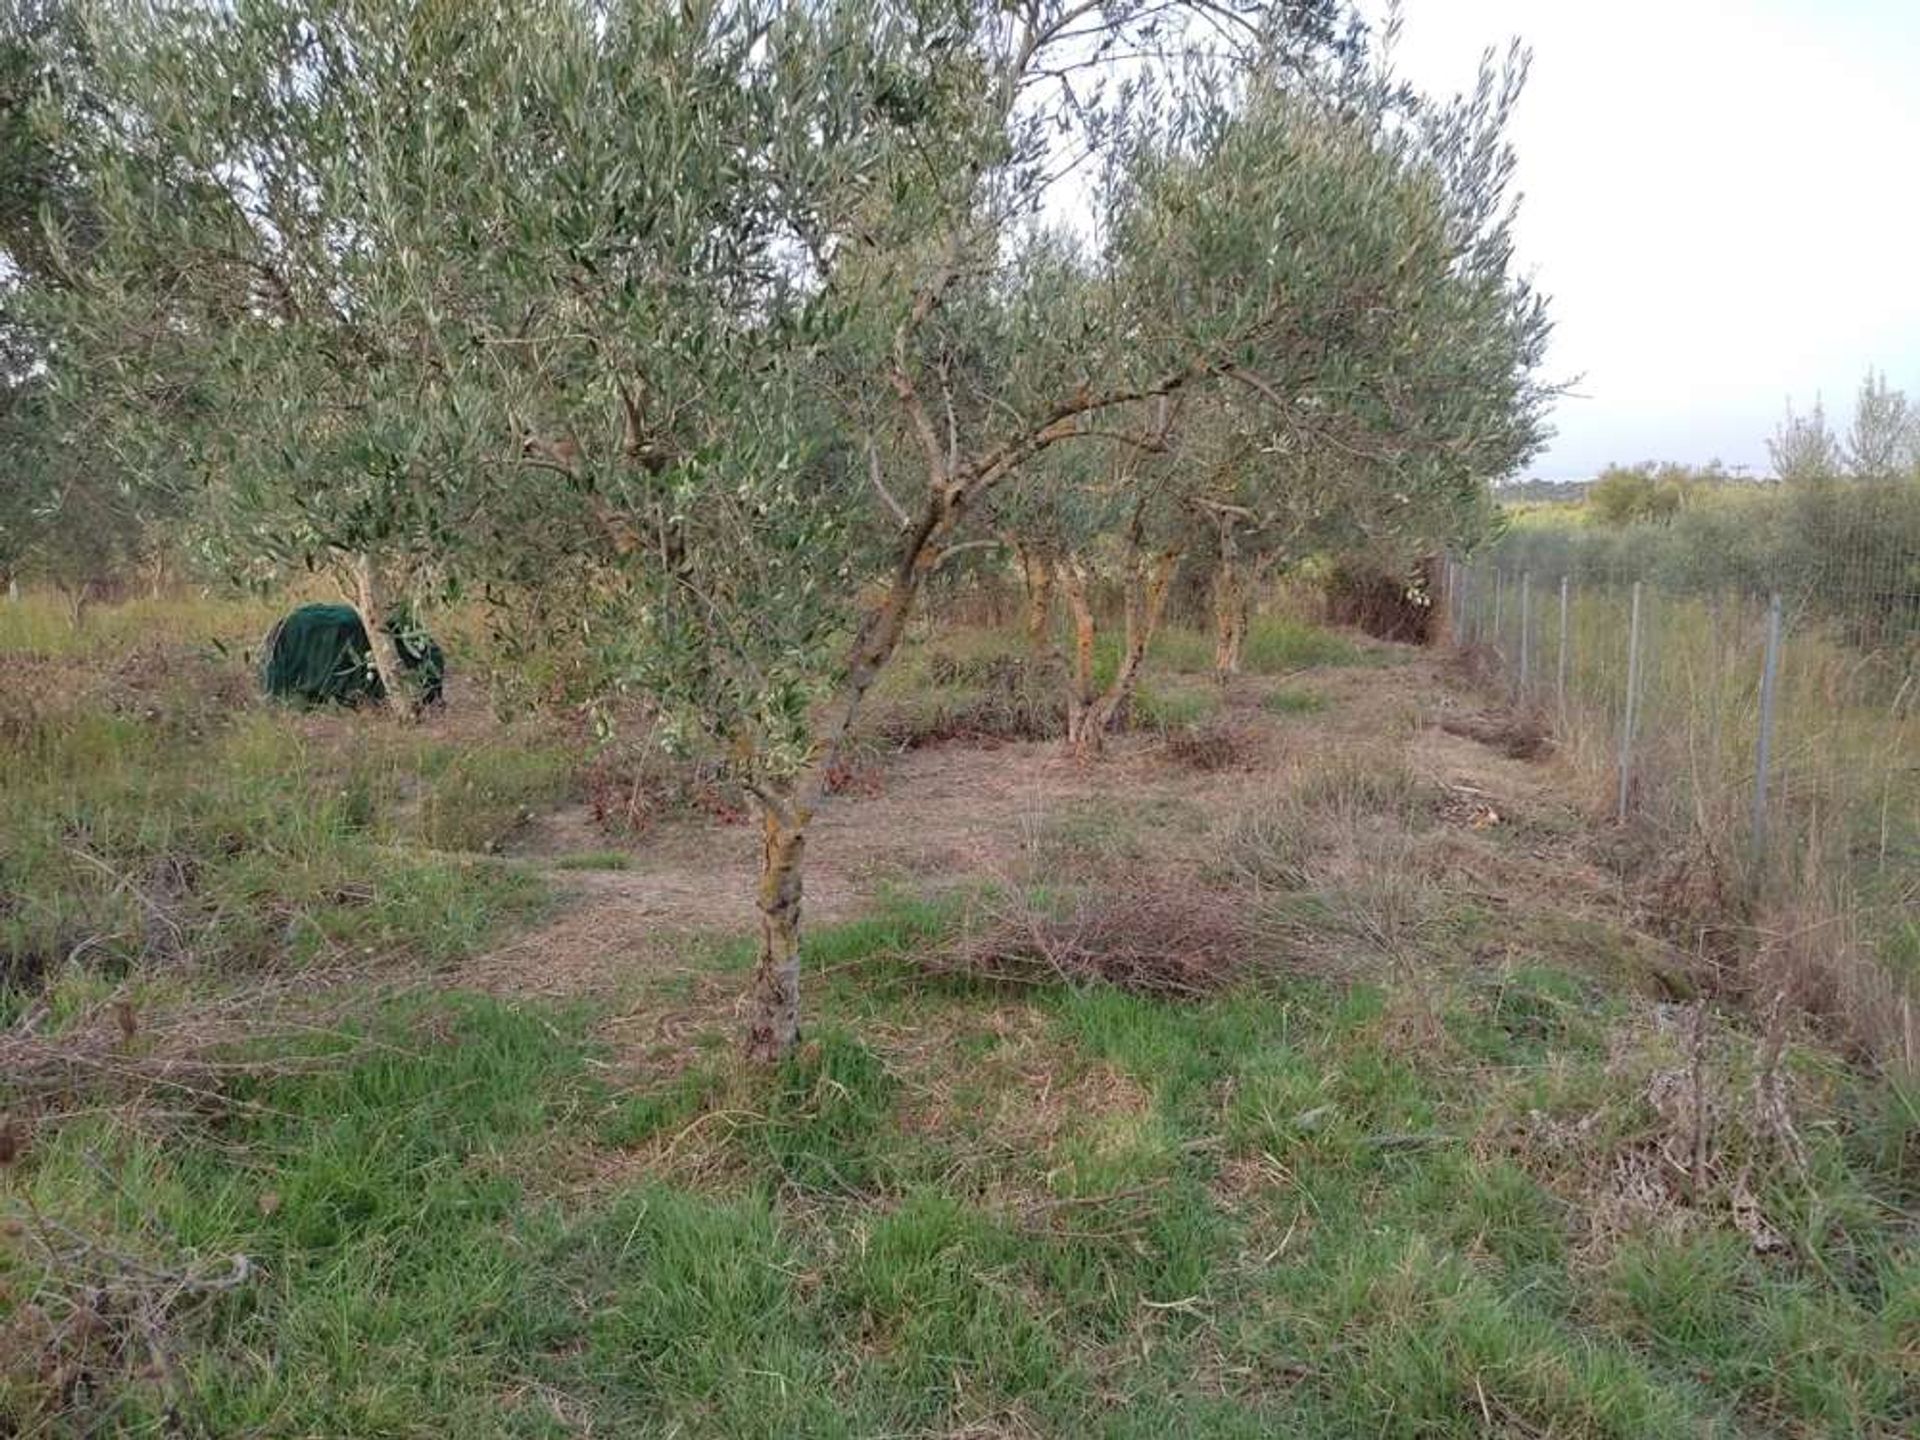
<point x="318" y="654"/>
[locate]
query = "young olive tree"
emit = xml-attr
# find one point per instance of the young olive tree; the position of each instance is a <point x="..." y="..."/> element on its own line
<point x="738" y="315"/>
<point x="1374" y="354"/>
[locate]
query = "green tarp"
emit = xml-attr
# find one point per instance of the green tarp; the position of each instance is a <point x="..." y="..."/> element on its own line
<point x="319" y="654"/>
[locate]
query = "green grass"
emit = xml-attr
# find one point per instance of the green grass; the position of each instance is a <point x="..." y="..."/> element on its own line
<point x="1186" y="652"/>
<point x="1294" y="702"/>
<point x="593" y="860"/>
<point x="1157" y="707"/>
<point x="1265" y="1214"/>
<point x="39" y="625"/>
<point x="1303" y="1207"/>
<point x="1279" y="643"/>
<point x="154" y="815"/>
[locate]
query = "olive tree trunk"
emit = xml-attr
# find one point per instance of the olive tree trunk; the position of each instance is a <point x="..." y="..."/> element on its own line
<point x="1148" y="583"/>
<point x="773" y="1026"/>
<point x="1091" y="715"/>
<point x="1037" y="569"/>
<point x="78" y="596"/>
<point x="1232" y="602"/>
<point x="1079" y="672"/>
<point x="787" y="808"/>
<point x="371" y="601"/>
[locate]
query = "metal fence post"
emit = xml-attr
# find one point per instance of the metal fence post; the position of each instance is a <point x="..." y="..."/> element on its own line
<point x="1526" y="617"/>
<point x="1560" y="676"/>
<point x="1499" y="603"/>
<point x="1763" y="750"/>
<point x="1633" y="696"/>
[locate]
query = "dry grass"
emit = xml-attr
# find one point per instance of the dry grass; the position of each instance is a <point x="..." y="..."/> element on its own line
<point x="97" y="1314"/>
<point x="1213" y="745"/>
<point x="1142" y="936"/>
<point x="1824" y="909"/>
<point x="1322" y="820"/>
<point x="632" y="784"/>
<point x="1700" y="1115"/>
<point x="1812" y="955"/>
<point x="1519" y="734"/>
<point x="155" y="1063"/>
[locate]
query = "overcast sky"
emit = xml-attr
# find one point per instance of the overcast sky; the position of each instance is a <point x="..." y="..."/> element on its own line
<point x="1722" y="198"/>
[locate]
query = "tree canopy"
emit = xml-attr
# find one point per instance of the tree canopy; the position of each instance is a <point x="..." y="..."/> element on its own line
<point x="718" y="327"/>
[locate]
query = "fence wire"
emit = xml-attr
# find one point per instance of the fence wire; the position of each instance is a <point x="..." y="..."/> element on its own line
<point x="1750" y="696"/>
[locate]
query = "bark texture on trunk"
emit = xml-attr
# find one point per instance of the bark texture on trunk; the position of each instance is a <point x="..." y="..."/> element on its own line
<point x="1074" y="584"/>
<point x="1147" y="585"/>
<point x="774" y="1027"/>
<point x="1232" y="602"/>
<point x="1091" y="715"/>
<point x="773" y="1023"/>
<point x="371" y="600"/>
<point x="1037" y="569"/>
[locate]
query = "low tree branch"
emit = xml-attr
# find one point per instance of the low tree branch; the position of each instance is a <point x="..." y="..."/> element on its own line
<point x="898" y="510"/>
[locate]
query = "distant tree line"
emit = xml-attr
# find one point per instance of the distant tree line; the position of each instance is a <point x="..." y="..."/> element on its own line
<point x="1837" y="529"/>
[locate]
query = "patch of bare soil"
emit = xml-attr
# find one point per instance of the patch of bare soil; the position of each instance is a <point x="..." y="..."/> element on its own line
<point x="943" y="816"/>
<point x="948" y="816"/>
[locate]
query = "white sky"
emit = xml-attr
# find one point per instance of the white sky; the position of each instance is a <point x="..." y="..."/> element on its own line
<point x="1722" y="198"/>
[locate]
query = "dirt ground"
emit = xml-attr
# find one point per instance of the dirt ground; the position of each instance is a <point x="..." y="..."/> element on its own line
<point x="958" y="814"/>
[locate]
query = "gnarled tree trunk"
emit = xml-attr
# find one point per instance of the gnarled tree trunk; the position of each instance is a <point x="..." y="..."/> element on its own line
<point x="1232" y="601"/>
<point x="371" y="600"/>
<point x="1147" y="585"/>
<point x="1037" y="570"/>
<point x="774" y="1024"/>
<point x="773" y="1019"/>
<point x="1080" y="692"/>
<point x="1089" y="715"/>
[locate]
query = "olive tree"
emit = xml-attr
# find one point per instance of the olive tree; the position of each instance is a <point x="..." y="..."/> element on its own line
<point x="67" y="516"/>
<point x="358" y="235"/>
<point x="740" y="314"/>
<point x="1338" y="251"/>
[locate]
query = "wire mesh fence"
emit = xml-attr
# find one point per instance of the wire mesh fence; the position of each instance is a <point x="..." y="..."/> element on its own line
<point x="1760" y="717"/>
